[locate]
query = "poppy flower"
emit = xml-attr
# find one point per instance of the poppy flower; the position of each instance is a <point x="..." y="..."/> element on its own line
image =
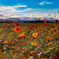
<point x="48" y="37"/>
<point x="17" y="23"/>
<point x="22" y="56"/>
<point x="28" y="55"/>
<point x="50" y="44"/>
<point x="54" y="30"/>
<point x="54" y="56"/>
<point x="54" y="35"/>
<point x="6" y="42"/>
<point x="7" y="26"/>
<point x="3" y="25"/>
<point x="39" y="18"/>
<point x="11" y="53"/>
<point x="47" y="54"/>
<point x="57" y="21"/>
<point x="39" y="56"/>
<point x="21" y="35"/>
<point x="3" y="58"/>
<point x="35" y="43"/>
<point x="34" y="35"/>
<point x="23" y="49"/>
<point x="49" y="32"/>
<point x="17" y="29"/>
<point x="19" y="43"/>
<point x="45" y="24"/>
<point x="57" y="31"/>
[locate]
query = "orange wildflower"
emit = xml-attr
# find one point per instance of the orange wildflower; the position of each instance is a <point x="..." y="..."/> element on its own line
<point x="8" y="24"/>
<point x="39" y="55"/>
<point x="3" y="25"/>
<point x="34" y="34"/>
<point x="54" y="35"/>
<point x="47" y="54"/>
<point x="6" y="42"/>
<point x="25" y="42"/>
<point x="57" y="31"/>
<point x="3" y="58"/>
<point x="28" y="55"/>
<point x="17" y="29"/>
<point x="32" y="52"/>
<point x="49" y="32"/>
<point x="11" y="53"/>
<point x="21" y="35"/>
<point x="22" y="56"/>
<point x="19" y="43"/>
<point x="16" y="24"/>
<point x="35" y="43"/>
<point x="54" y="56"/>
<point x="50" y="44"/>
<point x="23" y="49"/>
<point x="48" y="37"/>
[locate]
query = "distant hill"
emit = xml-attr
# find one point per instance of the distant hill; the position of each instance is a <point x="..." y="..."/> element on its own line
<point x="29" y="20"/>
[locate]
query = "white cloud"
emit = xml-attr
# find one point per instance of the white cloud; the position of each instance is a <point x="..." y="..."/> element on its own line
<point x="49" y="2"/>
<point x="7" y="8"/>
<point x="12" y="8"/>
<point x="45" y="2"/>
<point x="20" y="5"/>
<point x="11" y="11"/>
<point x="42" y="3"/>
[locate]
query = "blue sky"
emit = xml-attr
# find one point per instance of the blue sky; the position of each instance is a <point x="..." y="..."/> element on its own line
<point x="28" y="7"/>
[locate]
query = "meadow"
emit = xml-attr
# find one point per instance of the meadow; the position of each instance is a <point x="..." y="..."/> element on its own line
<point x="29" y="40"/>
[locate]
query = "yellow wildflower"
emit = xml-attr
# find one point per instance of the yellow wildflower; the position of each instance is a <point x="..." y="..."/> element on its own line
<point x="34" y="34"/>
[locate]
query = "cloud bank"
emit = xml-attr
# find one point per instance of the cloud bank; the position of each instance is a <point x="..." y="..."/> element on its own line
<point x="12" y="11"/>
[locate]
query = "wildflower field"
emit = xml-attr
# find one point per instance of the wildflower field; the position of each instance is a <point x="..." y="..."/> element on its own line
<point x="29" y="40"/>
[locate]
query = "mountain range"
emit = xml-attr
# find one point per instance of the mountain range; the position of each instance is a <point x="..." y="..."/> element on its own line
<point x="29" y="19"/>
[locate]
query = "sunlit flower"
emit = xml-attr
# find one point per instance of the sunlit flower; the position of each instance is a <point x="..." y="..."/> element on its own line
<point x="39" y="56"/>
<point x="21" y="35"/>
<point x="6" y="42"/>
<point x="17" y="23"/>
<point x="23" y="49"/>
<point x="50" y="48"/>
<point x="17" y="29"/>
<point x="11" y="53"/>
<point x="48" y="37"/>
<point x="57" y="31"/>
<point x="54" y="56"/>
<point x="50" y="44"/>
<point x="35" y="43"/>
<point x="34" y="34"/>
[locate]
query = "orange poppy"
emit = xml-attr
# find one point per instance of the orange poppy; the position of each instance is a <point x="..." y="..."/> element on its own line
<point x="21" y="35"/>
<point x="17" y="29"/>
<point x="23" y="49"/>
<point x="57" y="31"/>
<point x="6" y="42"/>
<point x="39" y="55"/>
<point x="50" y="44"/>
<point x="19" y="43"/>
<point x="28" y="55"/>
<point x="49" y="32"/>
<point x="11" y="53"/>
<point x="48" y="37"/>
<point x="34" y="34"/>
<point x="35" y="43"/>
